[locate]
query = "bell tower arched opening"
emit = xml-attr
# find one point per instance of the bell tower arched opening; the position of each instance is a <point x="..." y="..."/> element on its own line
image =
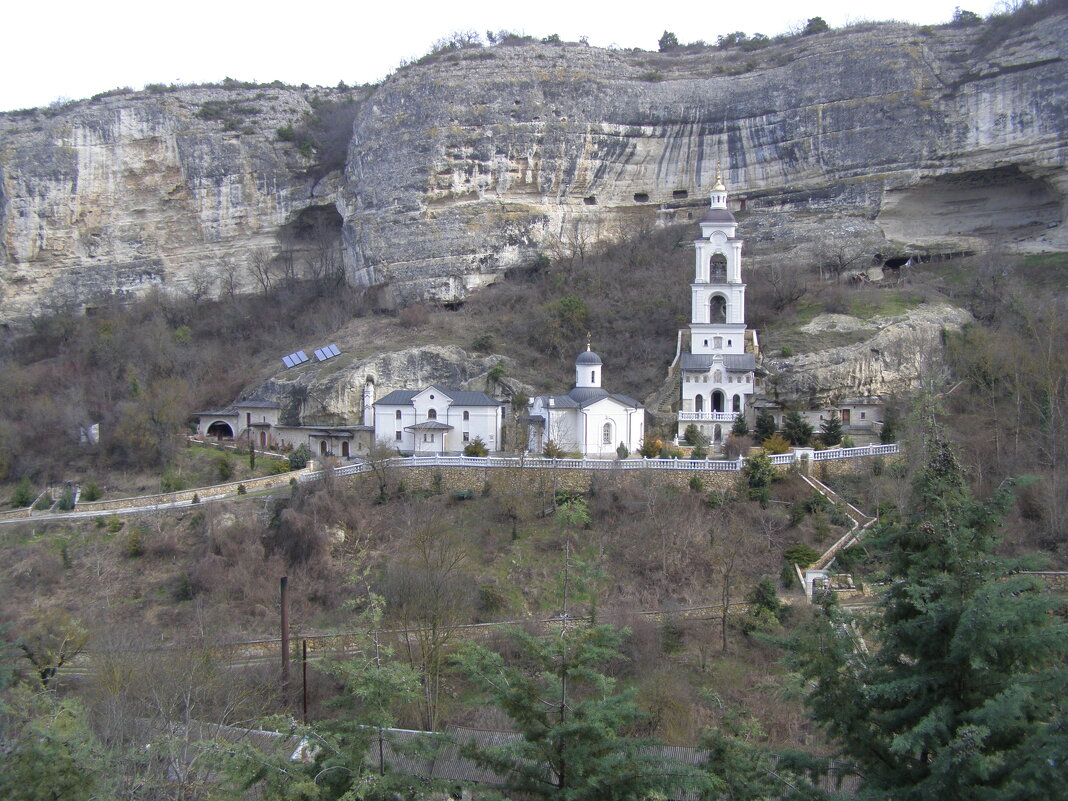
<point x="717" y="309"/>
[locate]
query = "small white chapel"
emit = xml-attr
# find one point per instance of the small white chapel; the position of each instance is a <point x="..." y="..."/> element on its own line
<point x="588" y="419"/>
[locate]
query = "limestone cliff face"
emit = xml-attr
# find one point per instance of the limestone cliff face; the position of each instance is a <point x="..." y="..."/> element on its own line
<point x="893" y="355"/>
<point x="473" y="161"/>
<point x="135" y="190"/>
<point x="464" y="166"/>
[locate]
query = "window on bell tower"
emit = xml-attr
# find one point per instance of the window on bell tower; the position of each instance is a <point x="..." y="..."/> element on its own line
<point x="717" y="268"/>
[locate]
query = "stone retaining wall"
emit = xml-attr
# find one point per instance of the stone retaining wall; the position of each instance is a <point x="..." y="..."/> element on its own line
<point x="184" y="496"/>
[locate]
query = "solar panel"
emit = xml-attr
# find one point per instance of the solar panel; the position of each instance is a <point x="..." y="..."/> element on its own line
<point x="320" y="355"/>
<point x="302" y="356"/>
<point x="287" y="361"/>
<point x="334" y="351"/>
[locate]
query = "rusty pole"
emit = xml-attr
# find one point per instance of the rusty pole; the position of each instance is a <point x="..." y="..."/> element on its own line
<point x="285" y="641"/>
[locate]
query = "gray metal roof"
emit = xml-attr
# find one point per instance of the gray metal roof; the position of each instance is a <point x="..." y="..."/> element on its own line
<point x="718" y="216"/>
<point x="258" y="403"/>
<point x="398" y="397"/>
<point x="733" y="362"/>
<point x="429" y="425"/>
<point x="588" y="357"/>
<point x="580" y="397"/>
<point x="459" y="397"/>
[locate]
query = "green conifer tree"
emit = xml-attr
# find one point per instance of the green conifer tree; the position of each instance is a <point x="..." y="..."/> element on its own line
<point x="796" y="430"/>
<point x="765" y="425"/>
<point x="961" y="696"/>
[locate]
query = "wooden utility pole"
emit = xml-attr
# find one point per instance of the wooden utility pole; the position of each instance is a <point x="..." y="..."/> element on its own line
<point x="285" y="641"/>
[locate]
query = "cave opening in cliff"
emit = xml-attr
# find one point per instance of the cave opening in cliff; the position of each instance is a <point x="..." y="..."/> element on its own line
<point x="1004" y="202"/>
<point x="311" y="241"/>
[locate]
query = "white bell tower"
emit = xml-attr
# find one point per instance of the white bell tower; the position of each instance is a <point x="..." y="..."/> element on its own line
<point x="717" y="313"/>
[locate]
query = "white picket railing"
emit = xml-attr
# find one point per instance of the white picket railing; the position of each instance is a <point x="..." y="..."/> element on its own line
<point x="706" y="417"/>
<point x="541" y="463"/>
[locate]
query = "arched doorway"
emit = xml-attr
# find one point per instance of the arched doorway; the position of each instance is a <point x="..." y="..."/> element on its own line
<point x="322" y="447"/>
<point x="345" y="449"/>
<point x="263" y="440"/>
<point x="717" y="433"/>
<point x="220" y="430"/>
<point x="699" y="403"/>
<point x="717" y="401"/>
<point x="717" y="309"/>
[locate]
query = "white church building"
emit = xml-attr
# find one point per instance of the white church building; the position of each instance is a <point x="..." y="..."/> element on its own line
<point x="718" y="374"/>
<point x="437" y="420"/>
<point x="588" y="419"/>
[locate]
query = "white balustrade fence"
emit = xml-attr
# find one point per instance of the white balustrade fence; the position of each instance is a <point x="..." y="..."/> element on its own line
<point x="541" y="463"/>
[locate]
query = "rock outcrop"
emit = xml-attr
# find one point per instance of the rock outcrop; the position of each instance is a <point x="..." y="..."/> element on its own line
<point x="471" y="161"/>
<point x="332" y="392"/>
<point x="894" y="356"/>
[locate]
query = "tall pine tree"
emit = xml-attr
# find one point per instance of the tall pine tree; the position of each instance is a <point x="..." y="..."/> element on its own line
<point x="962" y="695"/>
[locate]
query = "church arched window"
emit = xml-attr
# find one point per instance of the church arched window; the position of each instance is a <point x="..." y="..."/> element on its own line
<point x="398" y="414"/>
<point x="699" y="404"/>
<point x="467" y="415"/>
<point x="717" y="268"/>
<point x="736" y="404"/>
<point x="432" y="414"/>
<point x="593" y="376"/>
<point x="606" y="434"/>
<point x="717" y="309"/>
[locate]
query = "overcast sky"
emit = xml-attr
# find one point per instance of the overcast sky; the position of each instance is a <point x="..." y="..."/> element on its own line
<point x="71" y="49"/>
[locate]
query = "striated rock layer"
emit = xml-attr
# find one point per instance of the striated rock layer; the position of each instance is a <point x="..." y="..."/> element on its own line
<point x="474" y="161"/>
<point x="901" y="353"/>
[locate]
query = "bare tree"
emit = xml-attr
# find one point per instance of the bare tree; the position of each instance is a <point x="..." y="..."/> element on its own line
<point x="261" y="264"/>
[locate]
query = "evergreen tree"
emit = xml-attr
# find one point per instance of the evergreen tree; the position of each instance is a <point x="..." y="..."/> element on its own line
<point x="962" y="694"/>
<point x="765" y="425"/>
<point x="740" y="427"/>
<point x="796" y="430"/>
<point x="572" y="719"/>
<point x="832" y="430"/>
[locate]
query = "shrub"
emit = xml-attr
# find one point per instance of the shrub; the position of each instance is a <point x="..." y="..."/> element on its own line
<point x="775" y="444"/>
<point x="832" y="430"/>
<point x="414" y="316"/>
<point x="796" y="430"/>
<point x="225" y="467"/>
<point x="740" y="427"/>
<point x="23" y="495"/>
<point x="196" y="498"/>
<point x="91" y="491"/>
<point x="758" y="473"/>
<point x="765" y="425"/>
<point x="483" y="343"/>
<point x="815" y="25"/>
<point x="300" y="457"/>
<point x="114" y="524"/>
<point x="699" y="452"/>
<point x="847" y="441"/>
<point x="693" y="436"/>
<point x="736" y="446"/>
<point x="43" y="503"/>
<point x="553" y="451"/>
<point x="171" y="482"/>
<point x="622" y="452"/>
<point x="476" y="447"/>
<point x="668" y="41"/>
<point x="135" y="543"/>
<point x="800" y="555"/>
<point x="696" y="484"/>
<point x="278" y="467"/>
<point x="651" y="447"/>
<point x="816" y="502"/>
<point x="241" y="489"/>
<point x="669" y="451"/>
<point x="66" y="500"/>
<point x="496" y="373"/>
<point x="786" y="352"/>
